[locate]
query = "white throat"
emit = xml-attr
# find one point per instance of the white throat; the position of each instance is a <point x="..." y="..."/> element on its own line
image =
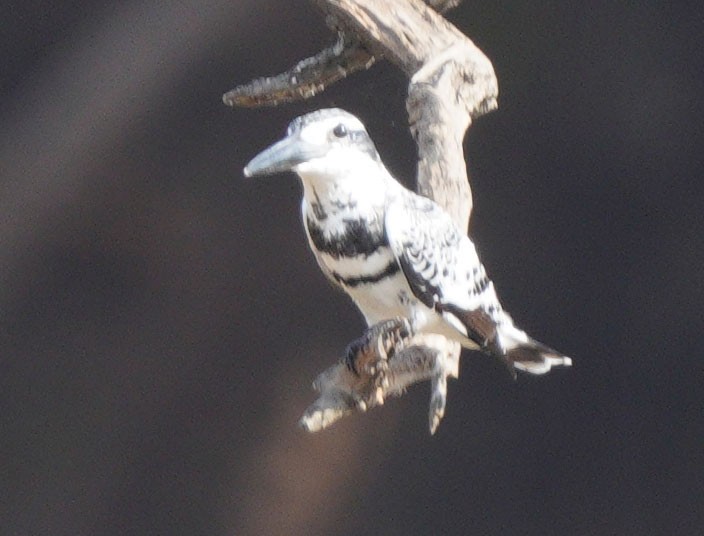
<point x="364" y="182"/>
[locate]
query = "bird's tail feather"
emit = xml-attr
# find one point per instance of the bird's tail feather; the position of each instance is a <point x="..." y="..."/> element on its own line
<point x="498" y="336"/>
<point x="536" y="358"/>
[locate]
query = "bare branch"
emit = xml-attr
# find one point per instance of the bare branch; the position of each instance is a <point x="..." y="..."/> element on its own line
<point x="450" y="90"/>
<point x="312" y="75"/>
<point x="307" y="78"/>
<point x="342" y="391"/>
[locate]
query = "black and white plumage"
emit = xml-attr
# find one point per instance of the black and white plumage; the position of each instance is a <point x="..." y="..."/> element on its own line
<point x="394" y="252"/>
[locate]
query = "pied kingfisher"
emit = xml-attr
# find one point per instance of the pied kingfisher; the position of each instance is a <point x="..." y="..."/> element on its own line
<point x="396" y="253"/>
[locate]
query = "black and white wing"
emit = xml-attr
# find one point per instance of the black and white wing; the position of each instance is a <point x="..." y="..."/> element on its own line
<point x="443" y="270"/>
<point x="442" y="267"/>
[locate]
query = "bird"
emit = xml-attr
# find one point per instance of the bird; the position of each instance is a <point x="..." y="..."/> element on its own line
<point x="396" y="253"/>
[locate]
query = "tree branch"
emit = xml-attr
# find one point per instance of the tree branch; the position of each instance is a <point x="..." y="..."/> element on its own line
<point x="312" y="75"/>
<point x="307" y="78"/>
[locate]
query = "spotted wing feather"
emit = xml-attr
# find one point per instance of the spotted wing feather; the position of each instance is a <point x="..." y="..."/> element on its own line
<point x="442" y="267"/>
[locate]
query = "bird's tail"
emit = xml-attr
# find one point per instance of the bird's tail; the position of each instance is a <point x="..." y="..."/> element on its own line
<point x="525" y="353"/>
<point x="498" y="336"/>
<point x="534" y="357"/>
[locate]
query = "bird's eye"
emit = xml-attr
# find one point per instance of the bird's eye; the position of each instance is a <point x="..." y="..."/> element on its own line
<point x="340" y="131"/>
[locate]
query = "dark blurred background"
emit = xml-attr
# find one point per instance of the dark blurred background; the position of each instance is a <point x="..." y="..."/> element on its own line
<point x="161" y="318"/>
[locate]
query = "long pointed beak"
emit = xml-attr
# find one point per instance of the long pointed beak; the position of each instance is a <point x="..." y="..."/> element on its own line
<point x="282" y="156"/>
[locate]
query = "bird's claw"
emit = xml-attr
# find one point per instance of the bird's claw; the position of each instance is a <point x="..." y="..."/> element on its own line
<point x="368" y="355"/>
<point x="354" y="352"/>
<point x="394" y="334"/>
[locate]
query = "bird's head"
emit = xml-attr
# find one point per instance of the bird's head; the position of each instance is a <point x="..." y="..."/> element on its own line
<point x="327" y="143"/>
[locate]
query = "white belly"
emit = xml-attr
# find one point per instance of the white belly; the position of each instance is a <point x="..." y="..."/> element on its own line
<point x="384" y="299"/>
<point x="378" y="300"/>
<point x="389" y="296"/>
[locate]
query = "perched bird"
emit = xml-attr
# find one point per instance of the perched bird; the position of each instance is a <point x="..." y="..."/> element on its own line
<point x="396" y="253"/>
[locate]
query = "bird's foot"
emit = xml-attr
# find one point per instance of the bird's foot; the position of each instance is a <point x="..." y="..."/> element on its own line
<point x="369" y="354"/>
